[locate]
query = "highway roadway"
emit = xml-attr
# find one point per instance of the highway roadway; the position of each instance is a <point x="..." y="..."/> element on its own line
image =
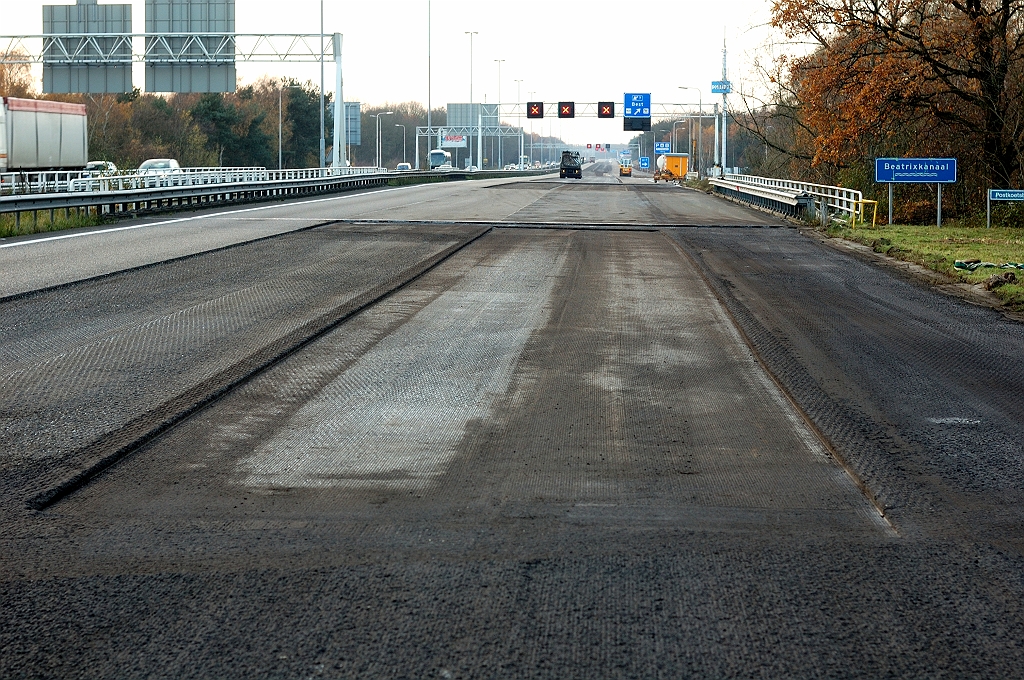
<point x="505" y="428"/>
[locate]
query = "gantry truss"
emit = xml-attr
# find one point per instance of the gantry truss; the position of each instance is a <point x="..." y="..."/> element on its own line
<point x="470" y="130"/>
<point x="164" y="48"/>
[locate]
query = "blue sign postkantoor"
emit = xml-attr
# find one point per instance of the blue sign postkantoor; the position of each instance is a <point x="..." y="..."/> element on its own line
<point x="915" y="170"/>
<point x="721" y="87"/>
<point x="645" y="162"/>
<point x="637" y="105"/>
<point x="1006" y="194"/>
<point x="662" y="147"/>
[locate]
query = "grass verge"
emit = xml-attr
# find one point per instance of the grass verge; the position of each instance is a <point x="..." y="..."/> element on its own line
<point x="937" y="248"/>
<point x="44" y="221"/>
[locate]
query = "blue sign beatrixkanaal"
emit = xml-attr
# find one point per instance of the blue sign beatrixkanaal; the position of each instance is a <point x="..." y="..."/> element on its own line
<point x="645" y="162"/>
<point x="915" y="170"/>
<point x="721" y="87"/>
<point x="637" y="105"/>
<point x="662" y="147"/>
<point x="1006" y="194"/>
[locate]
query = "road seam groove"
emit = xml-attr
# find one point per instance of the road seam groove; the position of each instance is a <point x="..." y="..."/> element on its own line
<point x="134" y="435"/>
<point x="618" y="226"/>
<point x="825" y="441"/>
<point x="180" y="258"/>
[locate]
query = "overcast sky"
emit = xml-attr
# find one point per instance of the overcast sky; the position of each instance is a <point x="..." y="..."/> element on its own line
<point x="583" y="51"/>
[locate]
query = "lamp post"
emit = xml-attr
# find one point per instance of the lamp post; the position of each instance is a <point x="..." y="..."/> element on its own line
<point x="403" y="141"/>
<point x="471" y="34"/>
<point x="700" y="127"/>
<point x="323" y="138"/>
<point x="500" y="138"/>
<point x="519" y="121"/>
<point x="280" y="122"/>
<point x="531" y="93"/>
<point x="428" y="91"/>
<point x="674" y="124"/>
<point x="377" y="116"/>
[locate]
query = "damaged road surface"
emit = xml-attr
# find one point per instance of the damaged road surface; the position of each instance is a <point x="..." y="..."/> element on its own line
<point x="609" y="448"/>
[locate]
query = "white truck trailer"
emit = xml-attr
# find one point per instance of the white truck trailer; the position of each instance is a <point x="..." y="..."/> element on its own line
<point x="42" y="135"/>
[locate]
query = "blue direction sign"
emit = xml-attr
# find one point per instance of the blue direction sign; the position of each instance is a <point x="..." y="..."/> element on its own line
<point x="721" y="87"/>
<point x="645" y="162"/>
<point x="915" y="170"/>
<point x="662" y="147"/>
<point x="1001" y="195"/>
<point x="1006" y="194"/>
<point x="637" y="105"/>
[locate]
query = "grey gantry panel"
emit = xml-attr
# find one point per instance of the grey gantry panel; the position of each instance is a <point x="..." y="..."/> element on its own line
<point x="61" y="73"/>
<point x="471" y="115"/>
<point x="197" y="70"/>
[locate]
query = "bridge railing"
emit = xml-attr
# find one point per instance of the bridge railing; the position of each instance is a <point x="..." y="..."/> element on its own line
<point x="838" y="199"/>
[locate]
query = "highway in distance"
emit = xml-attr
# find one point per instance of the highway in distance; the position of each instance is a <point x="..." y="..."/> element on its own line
<point x="542" y="428"/>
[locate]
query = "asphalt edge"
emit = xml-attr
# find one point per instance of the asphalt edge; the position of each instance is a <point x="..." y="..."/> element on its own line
<point x="841" y="460"/>
<point x="971" y="293"/>
<point x="119" y="444"/>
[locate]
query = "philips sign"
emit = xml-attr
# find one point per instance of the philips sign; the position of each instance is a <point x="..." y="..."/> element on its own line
<point x="449" y="140"/>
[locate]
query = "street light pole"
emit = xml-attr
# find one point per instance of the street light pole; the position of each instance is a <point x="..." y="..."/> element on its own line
<point x="403" y="141"/>
<point x="377" y="116"/>
<point x="519" y="121"/>
<point x="700" y="127"/>
<point x="428" y="88"/>
<point x="531" y="93"/>
<point x="471" y="34"/>
<point x="501" y="140"/>
<point x="323" y="139"/>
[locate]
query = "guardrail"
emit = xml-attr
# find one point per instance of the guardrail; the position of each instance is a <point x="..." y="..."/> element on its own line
<point x="124" y="194"/>
<point x="12" y="183"/>
<point x="169" y="197"/>
<point x="822" y="199"/>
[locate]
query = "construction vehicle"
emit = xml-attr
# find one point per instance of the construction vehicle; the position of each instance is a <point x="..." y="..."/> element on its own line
<point x="625" y="167"/>
<point x="42" y="135"/>
<point x="671" y="167"/>
<point x="571" y="166"/>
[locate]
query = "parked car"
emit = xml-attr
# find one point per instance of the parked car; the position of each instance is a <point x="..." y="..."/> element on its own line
<point x="101" y="168"/>
<point x="402" y="167"/>
<point x="159" y="166"/>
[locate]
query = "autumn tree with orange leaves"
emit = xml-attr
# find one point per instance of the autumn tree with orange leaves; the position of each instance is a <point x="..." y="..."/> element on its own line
<point x="915" y="76"/>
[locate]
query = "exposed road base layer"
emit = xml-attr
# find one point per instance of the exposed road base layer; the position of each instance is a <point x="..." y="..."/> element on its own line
<point x="115" y="445"/>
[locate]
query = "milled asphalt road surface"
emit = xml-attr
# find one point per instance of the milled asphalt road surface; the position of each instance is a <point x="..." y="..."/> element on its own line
<point x="613" y="446"/>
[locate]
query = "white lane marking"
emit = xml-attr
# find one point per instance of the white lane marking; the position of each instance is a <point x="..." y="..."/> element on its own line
<point x="954" y="421"/>
<point x="96" y="232"/>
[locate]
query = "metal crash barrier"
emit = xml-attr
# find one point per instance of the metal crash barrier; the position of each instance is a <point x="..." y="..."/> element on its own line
<point x="147" y="193"/>
<point x="197" y="187"/>
<point x="790" y="197"/>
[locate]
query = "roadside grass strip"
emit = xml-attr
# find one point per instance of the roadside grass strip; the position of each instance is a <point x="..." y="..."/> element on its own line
<point x="44" y="222"/>
<point x="967" y="254"/>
